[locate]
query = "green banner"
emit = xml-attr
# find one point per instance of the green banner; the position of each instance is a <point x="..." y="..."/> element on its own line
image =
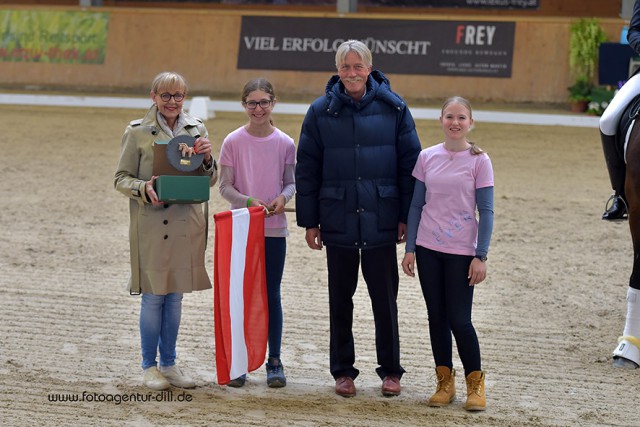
<point x="54" y="37"/>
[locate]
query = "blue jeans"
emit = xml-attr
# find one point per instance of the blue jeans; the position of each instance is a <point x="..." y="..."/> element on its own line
<point x="275" y="253"/>
<point x="159" y="324"/>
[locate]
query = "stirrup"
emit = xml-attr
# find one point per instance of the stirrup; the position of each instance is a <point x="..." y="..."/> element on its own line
<point x="609" y="205"/>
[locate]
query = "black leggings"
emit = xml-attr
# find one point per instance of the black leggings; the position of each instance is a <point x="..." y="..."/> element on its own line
<point x="446" y="290"/>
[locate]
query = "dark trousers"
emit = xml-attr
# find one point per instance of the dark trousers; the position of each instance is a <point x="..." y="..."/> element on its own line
<point x="275" y="253"/>
<point x="380" y="272"/>
<point x="445" y="286"/>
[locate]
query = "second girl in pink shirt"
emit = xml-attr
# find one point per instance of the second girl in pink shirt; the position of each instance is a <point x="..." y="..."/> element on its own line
<point x="454" y="180"/>
<point x="257" y="168"/>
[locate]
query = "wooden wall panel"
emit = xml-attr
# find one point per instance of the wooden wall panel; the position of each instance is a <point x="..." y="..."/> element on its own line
<point x="203" y="45"/>
<point x="567" y="8"/>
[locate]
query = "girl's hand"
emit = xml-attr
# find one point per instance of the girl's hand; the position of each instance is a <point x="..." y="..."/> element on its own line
<point x="255" y="202"/>
<point x="408" y="264"/>
<point x="277" y="206"/>
<point x="477" y="271"/>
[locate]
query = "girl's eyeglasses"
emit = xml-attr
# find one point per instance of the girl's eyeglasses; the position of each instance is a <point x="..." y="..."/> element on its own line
<point x="264" y="103"/>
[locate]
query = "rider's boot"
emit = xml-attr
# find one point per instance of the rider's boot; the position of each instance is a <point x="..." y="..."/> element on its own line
<point x="617" y="170"/>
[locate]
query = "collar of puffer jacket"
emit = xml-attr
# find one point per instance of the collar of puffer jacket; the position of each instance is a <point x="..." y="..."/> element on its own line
<point x="378" y="87"/>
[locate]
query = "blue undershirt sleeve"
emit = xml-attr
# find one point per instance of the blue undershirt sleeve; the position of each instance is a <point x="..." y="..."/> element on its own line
<point x="415" y="212"/>
<point x="484" y="201"/>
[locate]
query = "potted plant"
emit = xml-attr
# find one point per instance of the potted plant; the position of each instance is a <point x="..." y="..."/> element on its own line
<point x="580" y="94"/>
<point x="586" y="35"/>
<point x="601" y="96"/>
<point x="584" y="43"/>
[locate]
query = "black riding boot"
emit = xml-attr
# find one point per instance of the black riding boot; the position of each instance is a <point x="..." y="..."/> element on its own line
<point x="617" y="170"/>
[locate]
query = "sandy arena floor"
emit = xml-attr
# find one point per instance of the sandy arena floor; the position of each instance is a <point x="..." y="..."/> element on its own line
<point x="548" y="316"/>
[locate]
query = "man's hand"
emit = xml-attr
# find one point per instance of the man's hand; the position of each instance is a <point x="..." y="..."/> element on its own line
<point x="314" y="240"/>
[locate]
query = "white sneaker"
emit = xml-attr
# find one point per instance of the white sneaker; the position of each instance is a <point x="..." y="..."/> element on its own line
<point x="153" y="379"/>
<point x="176" y="377"/>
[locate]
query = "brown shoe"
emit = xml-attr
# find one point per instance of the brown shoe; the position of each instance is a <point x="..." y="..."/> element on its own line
<point x="446" y="387"/>
<point x="345" y="387"/>
<point x="391" y="386"/>
<point x="476" y="399"/>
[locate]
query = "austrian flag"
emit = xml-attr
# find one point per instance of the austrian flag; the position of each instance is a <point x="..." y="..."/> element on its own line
<point x="240" y="292"/>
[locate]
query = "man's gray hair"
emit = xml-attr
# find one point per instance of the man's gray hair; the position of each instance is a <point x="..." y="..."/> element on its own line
<point x="356" y="46"/>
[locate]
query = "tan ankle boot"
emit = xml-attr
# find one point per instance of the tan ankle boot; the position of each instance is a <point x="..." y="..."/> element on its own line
<point x="476" y="400"/>
<point x="446" y="387"/>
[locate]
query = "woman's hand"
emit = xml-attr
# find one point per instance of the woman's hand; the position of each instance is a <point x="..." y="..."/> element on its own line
<point x="477" y="271"/>
<point x="408" y="264"/>
<point x="151" y="193"/>
<point x="203" y="146"/>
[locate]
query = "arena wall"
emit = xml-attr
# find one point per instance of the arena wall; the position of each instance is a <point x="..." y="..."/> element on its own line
<point x="203" y="45"/>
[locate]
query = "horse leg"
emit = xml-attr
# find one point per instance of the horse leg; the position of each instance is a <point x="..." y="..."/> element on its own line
<point x="627" y="353"/>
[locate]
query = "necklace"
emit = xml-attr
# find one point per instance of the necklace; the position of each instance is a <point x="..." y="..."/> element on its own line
<point x="452" y="154"/>
<point x="259" y="131"/>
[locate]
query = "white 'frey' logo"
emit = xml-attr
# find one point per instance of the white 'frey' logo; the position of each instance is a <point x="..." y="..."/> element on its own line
<point x="475" y="35"/>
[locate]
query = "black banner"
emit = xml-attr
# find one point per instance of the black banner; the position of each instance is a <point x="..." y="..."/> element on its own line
<point x="451" y="48"/>
<point x="463" y="4"/>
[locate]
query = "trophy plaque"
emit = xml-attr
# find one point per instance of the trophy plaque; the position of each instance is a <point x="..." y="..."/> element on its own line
<point x="181" y="154"/>
<point x="177" y="165"/>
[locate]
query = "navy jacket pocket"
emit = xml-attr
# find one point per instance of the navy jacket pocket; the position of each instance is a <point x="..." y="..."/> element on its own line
<point x="388" y="207"/>
<point x="332" y="209"/>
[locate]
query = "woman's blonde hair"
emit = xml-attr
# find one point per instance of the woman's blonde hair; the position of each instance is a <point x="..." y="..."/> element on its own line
<point x="168" y="79"/>
<point x="466" y="104"/>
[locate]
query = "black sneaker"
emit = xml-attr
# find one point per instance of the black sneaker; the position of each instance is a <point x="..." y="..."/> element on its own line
<point x="238" y="382"/>
<point x="275" y="373"/>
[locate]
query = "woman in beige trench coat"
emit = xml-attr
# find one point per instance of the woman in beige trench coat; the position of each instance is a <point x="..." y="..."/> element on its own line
<point x="167" y="240"/>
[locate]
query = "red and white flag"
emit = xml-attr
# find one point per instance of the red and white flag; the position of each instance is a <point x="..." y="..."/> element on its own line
<point x="240" y="292"/>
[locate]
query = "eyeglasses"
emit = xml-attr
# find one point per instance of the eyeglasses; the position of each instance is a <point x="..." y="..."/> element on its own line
<point x="264" y="103"/>
<point x="358" y="68"/>
<point x="166" y="96"/>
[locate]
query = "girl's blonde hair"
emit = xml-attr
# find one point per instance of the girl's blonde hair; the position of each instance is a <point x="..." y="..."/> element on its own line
<point x="466" y="104"/>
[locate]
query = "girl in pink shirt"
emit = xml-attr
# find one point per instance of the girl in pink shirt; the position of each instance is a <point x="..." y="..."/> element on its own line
<point x="257" y="168"/>
<point x="454" y="179"/>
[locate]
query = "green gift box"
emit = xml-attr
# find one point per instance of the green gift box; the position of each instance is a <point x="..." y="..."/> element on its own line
<point x="182" y="189"/>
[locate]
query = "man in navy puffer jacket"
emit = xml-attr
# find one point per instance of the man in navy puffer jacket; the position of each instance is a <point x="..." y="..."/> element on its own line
<point x="356" y="152"/>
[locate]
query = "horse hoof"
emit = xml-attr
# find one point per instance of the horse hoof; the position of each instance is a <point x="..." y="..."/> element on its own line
<point x="621" y="362"/>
